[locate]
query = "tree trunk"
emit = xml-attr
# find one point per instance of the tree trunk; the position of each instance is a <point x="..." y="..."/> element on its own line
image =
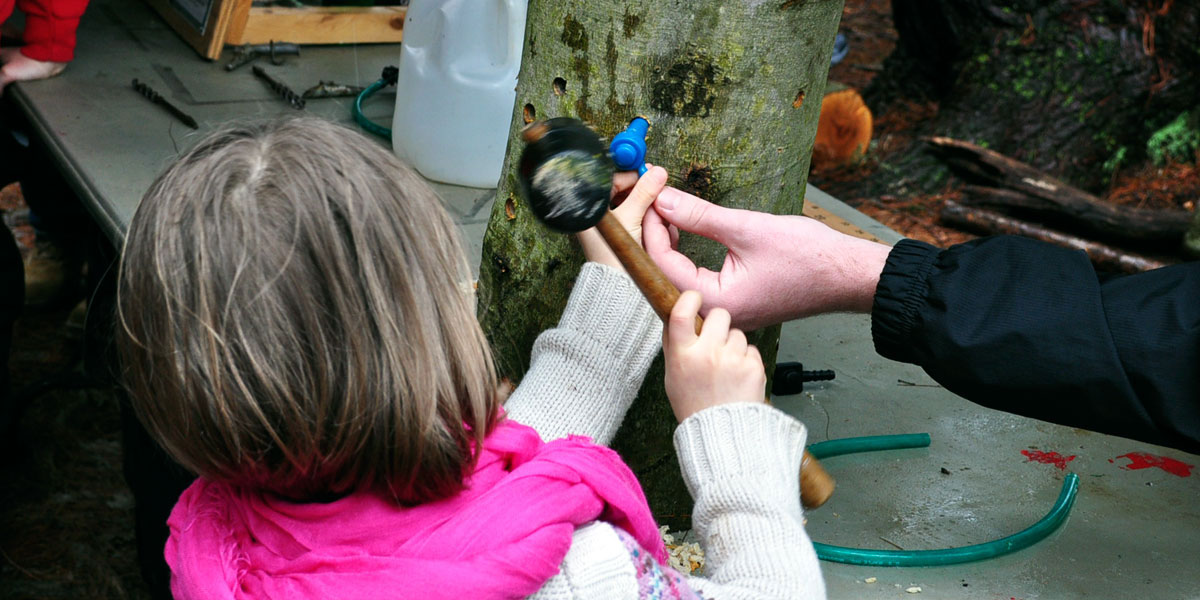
<point x="732" y="91"/>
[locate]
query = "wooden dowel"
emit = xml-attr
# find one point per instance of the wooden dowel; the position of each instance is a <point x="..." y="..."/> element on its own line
<point x="659" y="291"/>
<point x="816" y="485"/>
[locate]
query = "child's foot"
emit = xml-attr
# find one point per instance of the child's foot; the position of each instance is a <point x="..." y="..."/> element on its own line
<point x="18" y="67"/>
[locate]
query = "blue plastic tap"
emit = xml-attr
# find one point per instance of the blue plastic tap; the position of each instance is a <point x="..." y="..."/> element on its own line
<point x="628" y="148"/>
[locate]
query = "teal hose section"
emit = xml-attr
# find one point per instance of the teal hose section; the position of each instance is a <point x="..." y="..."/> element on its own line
<point x="947" y="556"/>
<point x="870" y="443"/>
<point x="362" y="119"/>
<point x="953" y="556"/>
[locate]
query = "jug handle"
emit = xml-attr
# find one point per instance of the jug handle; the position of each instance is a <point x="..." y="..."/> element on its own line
<point x="517" y="10"/>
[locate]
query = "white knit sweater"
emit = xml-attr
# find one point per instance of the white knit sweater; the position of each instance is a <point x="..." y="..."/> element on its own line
<point x="584" y="375"/>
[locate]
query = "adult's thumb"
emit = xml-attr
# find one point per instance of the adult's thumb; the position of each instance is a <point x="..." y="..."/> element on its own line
<point x="696" y="215"/>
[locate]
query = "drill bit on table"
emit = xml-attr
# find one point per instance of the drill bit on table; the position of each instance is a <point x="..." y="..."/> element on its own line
<point x="280" y="88"/>
<point x="157" y="98"/>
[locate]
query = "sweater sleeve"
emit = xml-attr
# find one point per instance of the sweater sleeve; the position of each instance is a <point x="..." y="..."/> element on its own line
<point x="50" y="28"/>
<point x="585" y="373"/>
<point x="747" y="513"/>
<point x="1030" y="328"/>
<point x="597" y="567"/>
<point x="747" y="517"/>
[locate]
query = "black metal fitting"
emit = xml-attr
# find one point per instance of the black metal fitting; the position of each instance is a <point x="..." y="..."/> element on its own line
<point x="248" y="52"/>
<point x="790" y="378"/>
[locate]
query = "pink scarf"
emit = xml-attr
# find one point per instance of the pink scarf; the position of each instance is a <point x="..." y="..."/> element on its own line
<point x="502" y="537"/>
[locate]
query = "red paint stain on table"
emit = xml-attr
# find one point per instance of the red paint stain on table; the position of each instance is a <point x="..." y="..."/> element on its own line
<point x="1145" y="460"/>
<point x="1048" y="458"/>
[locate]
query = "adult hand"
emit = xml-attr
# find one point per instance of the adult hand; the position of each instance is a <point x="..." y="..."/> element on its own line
<point x="18" y="67"/>
<point x="778" y="268"/>
<point x="633" y="196"/>
<point x="715" y="367"/>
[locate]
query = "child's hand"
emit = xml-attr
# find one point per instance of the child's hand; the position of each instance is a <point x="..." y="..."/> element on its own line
<point x="716" y="367"/>
<point x="633" y="204"/>
<point x="18" y="67"/>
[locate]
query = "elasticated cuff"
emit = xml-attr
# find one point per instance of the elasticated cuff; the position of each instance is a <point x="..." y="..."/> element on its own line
<point x="900" y="293"/>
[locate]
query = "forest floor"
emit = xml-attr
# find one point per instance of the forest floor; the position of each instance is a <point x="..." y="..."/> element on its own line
<point x="66" y="516"/>
<point x="881" y="187"/>
<point x="867" y="25"/>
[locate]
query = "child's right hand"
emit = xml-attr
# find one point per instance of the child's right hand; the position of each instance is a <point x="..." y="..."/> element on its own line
<point x="716" y="367"/>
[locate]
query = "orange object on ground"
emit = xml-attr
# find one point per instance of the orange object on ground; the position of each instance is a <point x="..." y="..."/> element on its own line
<point x="844" y="130"/>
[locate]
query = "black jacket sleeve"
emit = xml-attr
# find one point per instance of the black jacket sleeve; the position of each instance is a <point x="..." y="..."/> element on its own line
<point x="1030" y="328"/>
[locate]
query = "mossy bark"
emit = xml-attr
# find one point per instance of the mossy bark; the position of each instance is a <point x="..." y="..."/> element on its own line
<point x="733" y="92"/>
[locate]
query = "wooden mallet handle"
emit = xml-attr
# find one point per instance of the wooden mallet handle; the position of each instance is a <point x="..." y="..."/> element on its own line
<point x="816" y="485"/>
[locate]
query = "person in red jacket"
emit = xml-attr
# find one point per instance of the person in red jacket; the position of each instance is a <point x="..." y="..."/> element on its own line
<point x="49" y="39"/>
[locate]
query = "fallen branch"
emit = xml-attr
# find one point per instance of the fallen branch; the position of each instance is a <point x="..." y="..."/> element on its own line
<point x="1034" y="191"/>
<point x="993" y="197"/>
<point x="990" y="222"/>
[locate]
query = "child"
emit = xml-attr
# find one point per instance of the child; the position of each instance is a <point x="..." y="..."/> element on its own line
<point x="298" y="328"/>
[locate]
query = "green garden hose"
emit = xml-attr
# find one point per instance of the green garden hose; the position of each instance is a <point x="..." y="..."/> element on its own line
<point x="946" y="556"/>
<point x="869" y="443"/>
<point x="389" y="77"/>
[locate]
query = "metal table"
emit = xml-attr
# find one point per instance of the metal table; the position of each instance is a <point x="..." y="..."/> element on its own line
<point x="110" y="142"/>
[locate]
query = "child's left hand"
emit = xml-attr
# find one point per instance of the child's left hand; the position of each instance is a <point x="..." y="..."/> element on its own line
<point x="629" y="211"/>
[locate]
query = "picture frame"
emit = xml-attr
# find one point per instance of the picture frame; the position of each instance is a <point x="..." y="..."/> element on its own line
<point x="201" y="23"/>
<point x="209" y="25"/>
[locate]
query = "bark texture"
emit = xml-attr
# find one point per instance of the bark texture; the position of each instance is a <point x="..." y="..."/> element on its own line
<point x="733" y="93"/>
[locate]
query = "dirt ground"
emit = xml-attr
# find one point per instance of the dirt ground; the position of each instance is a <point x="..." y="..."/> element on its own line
<point x="66" y="516"/>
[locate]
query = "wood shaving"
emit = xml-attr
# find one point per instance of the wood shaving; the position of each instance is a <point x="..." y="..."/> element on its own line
<point x="916" y="589"/>
<point x="683" y="557"/>
<point x="870" y="580"/>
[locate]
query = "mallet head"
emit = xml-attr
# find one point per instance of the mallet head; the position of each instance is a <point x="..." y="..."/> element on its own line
<point x="566" y="174"/>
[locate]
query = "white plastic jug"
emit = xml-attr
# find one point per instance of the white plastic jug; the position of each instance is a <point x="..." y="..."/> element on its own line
<point x="454" y="98"/>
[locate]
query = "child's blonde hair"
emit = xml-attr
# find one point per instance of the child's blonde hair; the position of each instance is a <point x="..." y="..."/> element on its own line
<point x="296" y="315"/>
